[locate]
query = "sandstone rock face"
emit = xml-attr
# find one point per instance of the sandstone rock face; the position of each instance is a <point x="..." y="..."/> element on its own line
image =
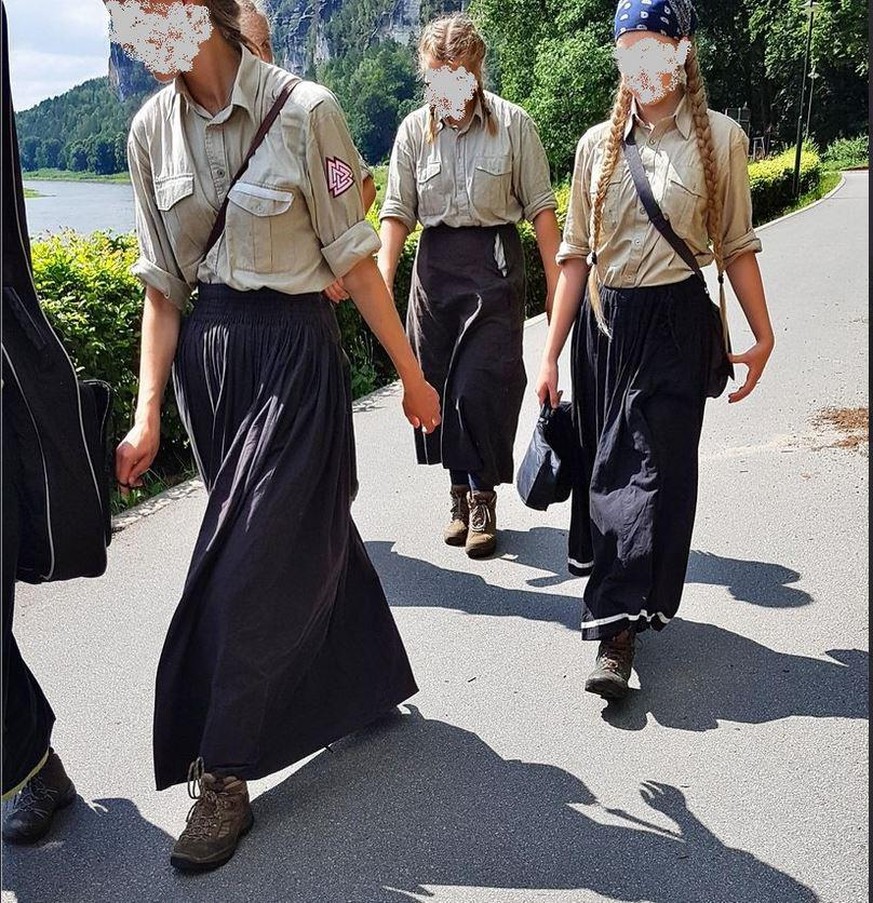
<point x="299" y="37"/>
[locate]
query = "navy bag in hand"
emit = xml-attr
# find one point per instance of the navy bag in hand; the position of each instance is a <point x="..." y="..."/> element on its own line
<point x="544" y="476"/>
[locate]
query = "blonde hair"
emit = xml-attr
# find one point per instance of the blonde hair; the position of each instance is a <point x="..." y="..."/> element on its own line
<point x="454" y="38"/>
<point x="696" y="95"/>
<point x="225" y="15"/>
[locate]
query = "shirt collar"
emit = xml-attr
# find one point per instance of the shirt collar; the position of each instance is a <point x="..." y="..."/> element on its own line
<point x="681" y="116"/>
<point x="245" y="85"/>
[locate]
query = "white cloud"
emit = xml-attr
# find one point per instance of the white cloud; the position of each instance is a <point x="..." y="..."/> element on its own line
<point x="54" y="46"/>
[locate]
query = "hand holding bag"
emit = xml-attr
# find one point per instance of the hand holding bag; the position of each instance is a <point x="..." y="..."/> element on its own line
<point x="545" y="475"/>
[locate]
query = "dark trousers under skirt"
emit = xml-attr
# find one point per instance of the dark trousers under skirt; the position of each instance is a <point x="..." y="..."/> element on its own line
<point x="638" y="405"/>
<point x="465" y="323"/>
<point x="283" y="641"/>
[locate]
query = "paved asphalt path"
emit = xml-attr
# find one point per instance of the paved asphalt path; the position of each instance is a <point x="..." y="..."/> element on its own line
<point x="736" y="773"/>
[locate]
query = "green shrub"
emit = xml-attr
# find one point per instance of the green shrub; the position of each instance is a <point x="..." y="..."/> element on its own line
<point x="95" y="304"/>
<point x="772" y="179"/>
<point x="847" y="153"/>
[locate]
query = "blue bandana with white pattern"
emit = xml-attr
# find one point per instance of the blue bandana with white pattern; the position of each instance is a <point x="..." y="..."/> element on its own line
<point x="674" y="18"/>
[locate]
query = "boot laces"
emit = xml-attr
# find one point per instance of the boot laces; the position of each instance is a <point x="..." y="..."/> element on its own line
<point x="481" y="516"/>
<point x="204" y="816"/>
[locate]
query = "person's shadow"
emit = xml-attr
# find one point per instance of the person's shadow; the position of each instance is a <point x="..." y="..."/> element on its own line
<point x="105" y="851"/>
<point x="694" y="675"/>
<point x="409" y="804"/>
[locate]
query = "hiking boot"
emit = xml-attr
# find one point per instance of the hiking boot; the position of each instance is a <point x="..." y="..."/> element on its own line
<point x="33" y="808"/>
<point x="220" y="816"/>
<point x="455" y="534"/>
<point x="612" y="670"/>
<point x="482" y="535"/>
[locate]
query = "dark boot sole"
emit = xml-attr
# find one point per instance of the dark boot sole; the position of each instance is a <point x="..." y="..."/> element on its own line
<point x="607" y="687"/>
<point x="183" y="864"/>
<point x="455" y="540"/>
<point x="24" y="840"/>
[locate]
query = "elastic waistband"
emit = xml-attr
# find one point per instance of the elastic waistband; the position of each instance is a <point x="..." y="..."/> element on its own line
<point x="221" y="299"/>
<point x="692" y="287"/>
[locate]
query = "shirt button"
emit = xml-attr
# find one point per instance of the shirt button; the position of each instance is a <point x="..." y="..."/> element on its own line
<point x="221" y="172"/>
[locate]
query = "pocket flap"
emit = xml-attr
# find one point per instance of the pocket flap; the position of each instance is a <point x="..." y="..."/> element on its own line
<point x="260" y="200"/>
<point x="170" y="190"/>
<point x="431" y="169"/>
<point x="497" y="166"/>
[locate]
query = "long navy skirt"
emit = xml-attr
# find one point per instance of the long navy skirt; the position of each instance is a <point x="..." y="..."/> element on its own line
<point x="466" y="324"/>
<point x="283" y="640"/>
<point x="638" y="405"/>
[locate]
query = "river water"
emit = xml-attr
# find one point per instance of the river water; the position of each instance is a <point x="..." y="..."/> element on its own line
<point x="83" y="206"/>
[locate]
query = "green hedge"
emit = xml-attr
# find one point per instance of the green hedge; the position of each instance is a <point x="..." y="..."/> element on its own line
<point x="847" y="153"/>
<point x="772" y="180"/>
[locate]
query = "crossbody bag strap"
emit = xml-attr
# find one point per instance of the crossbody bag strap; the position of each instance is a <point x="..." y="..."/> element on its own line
<point x="269" y="119"/>
<point x="662" y="224"/>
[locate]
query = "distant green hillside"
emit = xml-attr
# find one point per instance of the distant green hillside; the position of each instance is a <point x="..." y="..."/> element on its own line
<point x="83" y="129"/>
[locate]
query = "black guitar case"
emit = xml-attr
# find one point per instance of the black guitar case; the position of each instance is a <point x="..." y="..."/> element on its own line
<point x="56" y="428"/>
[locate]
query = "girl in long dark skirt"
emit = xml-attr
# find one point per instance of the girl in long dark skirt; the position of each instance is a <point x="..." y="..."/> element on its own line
<point x="283" y="640"/>
<point x="643" y="342"/>
<point x="468" y="165"/>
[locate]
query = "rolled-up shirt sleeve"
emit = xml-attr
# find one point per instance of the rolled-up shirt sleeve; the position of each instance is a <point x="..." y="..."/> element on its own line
<point x="575" y="241"/>
<point x="531" y="180"/>
<point x="738" y="236"/>
<point x="156" y="265"/>
<point x="366" y="172"/>
<point x="401" y="192"/>
<point x="334" y="176"/>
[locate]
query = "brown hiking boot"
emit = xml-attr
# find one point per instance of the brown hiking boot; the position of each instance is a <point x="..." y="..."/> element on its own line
<point x="33" y="808"/>
<point x="455" y="534"/>
<point x="612" y="670"/>
<point x="482" y="536"/>
<point x="220" y="816"/>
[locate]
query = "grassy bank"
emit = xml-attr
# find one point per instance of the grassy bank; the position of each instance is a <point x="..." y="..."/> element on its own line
<point x="68" y="175"/>
<point x="32" y="193"/>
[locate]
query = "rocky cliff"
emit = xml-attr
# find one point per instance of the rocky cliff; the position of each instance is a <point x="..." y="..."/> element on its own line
<point x="305" y="32"/>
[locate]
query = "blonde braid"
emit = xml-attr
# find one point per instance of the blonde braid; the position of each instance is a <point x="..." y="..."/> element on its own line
<point x="225" y="15"/>
<point x="618" y="118"/>
<point x="700" y="108"/>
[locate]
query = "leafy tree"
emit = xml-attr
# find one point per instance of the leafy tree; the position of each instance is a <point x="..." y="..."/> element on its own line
<point x="77" y="157"/>
<point x="30" y="151"/>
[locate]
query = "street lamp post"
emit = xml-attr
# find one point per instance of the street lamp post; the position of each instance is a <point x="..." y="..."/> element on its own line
<point x="812" y="77"/>
<point x="796" y="185"/>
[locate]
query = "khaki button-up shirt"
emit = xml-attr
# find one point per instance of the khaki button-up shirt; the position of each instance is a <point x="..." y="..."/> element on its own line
<point x="295" y="221"/>
<point x="631" y="251"/>
<point x="468" y="177"/>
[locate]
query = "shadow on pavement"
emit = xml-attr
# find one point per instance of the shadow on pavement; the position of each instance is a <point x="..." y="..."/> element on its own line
<point x="411" y="803"/>
<point x="105" y="851"/>
<point x="758" y="582"/>
<point x="694" y="675"/>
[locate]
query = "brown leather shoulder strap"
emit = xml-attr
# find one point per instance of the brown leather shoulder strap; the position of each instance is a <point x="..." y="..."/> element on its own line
<point x="269" y="119"/>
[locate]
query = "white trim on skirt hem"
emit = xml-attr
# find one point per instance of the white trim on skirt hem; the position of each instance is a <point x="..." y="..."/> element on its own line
<point x="588" y="625"/>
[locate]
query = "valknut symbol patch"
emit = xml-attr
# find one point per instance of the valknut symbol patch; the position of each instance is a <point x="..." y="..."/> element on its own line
<point x="340" y="177"/>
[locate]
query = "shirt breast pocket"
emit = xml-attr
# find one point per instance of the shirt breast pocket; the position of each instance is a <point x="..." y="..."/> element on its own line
<point x="492" y="183"/>
<point x="431" y="200"/>
<point x="257" y="230"/>
<point x="684" y="204"/>
<point x="170" y="191"/>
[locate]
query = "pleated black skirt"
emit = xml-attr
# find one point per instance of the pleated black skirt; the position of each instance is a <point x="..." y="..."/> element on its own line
<point x="466" y="323"/>
<point x="283" y="640"/>
<point x="639" y="401"/>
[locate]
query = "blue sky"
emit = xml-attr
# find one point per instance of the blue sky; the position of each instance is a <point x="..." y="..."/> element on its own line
<point x="54" y="45"/>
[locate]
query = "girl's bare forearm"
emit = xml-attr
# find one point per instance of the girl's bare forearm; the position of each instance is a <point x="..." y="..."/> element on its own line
<point x="745" y="278"/>
<point x="160" y="335"/>
<point x="568" y="297"/>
